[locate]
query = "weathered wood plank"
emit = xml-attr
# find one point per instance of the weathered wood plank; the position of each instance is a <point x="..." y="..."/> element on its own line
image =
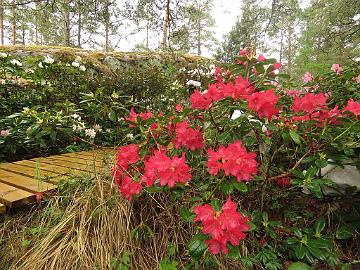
<point x="67" y="164"/>
<point x="18" y="167"/>
<point x="77" y="160"/>
<point x="59" y="170"/>
<point x="23" y="182"/>
<point x="14" y="197"/>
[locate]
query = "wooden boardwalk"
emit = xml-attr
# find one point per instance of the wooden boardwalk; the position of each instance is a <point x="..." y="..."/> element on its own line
<point x="20" y="181"/>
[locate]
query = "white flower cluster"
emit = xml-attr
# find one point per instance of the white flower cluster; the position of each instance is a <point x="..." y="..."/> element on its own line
<point x="3" y="55"/>
<point x="79" y="127"/>
<point x="193" y="83"/>
<point x="16" y="62"/>
<point x="77" y="64"/>
<point x="90" y="132"/>
<point x="4" y="133"/>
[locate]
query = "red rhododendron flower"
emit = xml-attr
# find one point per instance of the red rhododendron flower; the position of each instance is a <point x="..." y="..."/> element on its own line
<point x="261" y="58"/>
<point x="293" y="93"/>
<point x="234" y="160"/>
<point x="309" y="102"/>
<point x="128" y="187"/>
<point x="126" y="155"/>
<point x="199" y="101"/>
<point x="133" y="116"/>
<point x="353" y="107"/>
<point x="242" y="88"/>
<point x="178" y="108"/>
<point x="226" y="226"/>
<point x="243" y="52"/>
<point x="216" y="91"/>
<point x="277" y="65"/>
<point x="188" y="137"/>
<point x="264" y="103"/>
<point x="168" y="171"/>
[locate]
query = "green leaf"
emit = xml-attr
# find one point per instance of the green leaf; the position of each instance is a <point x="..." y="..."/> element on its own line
<point x="316" y="252"/>
<point x="241" y="187"/>
<point x="197" y="246"/>
<point x="344" y="232"/>
<point x="186" y="214"/>
<point x="226" y="187"/>
<point x="216" y="204"/>
<point x="299" y="266"/>
<point x="234" y="252"/>
<point x="300" y="252"/>
<point x="319" y="225"/>
<point x="112" y="116"/>
<point x="321" y="163"/>
<point x="295" y="136"/>
<point x="284" y="76"/>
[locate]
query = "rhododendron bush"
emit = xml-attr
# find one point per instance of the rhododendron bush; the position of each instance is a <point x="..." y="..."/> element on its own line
<point x="239" y="148"/>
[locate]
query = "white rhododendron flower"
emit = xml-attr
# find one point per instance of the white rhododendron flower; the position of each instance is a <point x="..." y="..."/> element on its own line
<point x="4" y="133"/>
<point x="75" y="64"/>
<point x="90" y="132"/>
<point x="49" y="60"/>
<point x="82" y="68"/>
<point x="40" y="65"/>
<point x="193" y="83"/>
<point x="3" y="55"/>
<point x="97" y="127"/>
<point x="16" y="62"/>
<point x="129" y="136"/>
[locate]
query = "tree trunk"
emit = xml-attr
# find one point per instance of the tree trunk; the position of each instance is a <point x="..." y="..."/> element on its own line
<point x="2" y="21"/>
<point x="107" y="25"/>
<point x="13" y="9"/>
<point x="23" y="34"/>
<point x="166" y="25"/>
<point x="281" y="45"/>
<point x="36" y="33"/>
<point x="67" y="23"/>
<point x="79" y="24"/>
<point x="289" y="62"/>
<point x="198" y="32"/>
<point x="147" y="34"/>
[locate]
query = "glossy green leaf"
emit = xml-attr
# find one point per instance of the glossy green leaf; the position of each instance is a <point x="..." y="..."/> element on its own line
<point x="299" y="266"/>
<point x="197" y="246"/>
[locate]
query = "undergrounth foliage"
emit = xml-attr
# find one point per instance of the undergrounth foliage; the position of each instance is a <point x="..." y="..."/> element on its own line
<point x="234" y="177"/>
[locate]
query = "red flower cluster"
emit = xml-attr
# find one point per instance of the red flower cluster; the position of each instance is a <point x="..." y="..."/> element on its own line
<point x="283" y="182"/>
<point x="234" y="160"/>
<point x="264" y="103"/>
<point x="309" y="103"/>
<point x="126" y="155"/>
<point x="353" y="107"/>
<point x="133" y="116"/>
<point x="199" y="101"/>
<point x="240" y="88"/>
<point x="168" y="171"/>
<point x="226" y="226"/>
<point x="188" y="137"/>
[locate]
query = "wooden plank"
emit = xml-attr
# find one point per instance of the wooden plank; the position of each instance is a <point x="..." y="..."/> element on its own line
<point x="45" y="167"/>
<point x="14" y="197"/>
<point x="67" y="164"/>
<point x="18" y="167"/>
<point x="2" y="208"/>
<point x="90" y="162"/>
<point x="23" y="182"/>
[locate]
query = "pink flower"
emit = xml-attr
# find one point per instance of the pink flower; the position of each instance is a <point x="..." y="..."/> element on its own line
<point x="4" y="133"/>
<point x="277" y="65"/>
<point x="353" y="107"/>
<point x="336" y="68"/>
<point x="261" y="58"/>
<point x="243" y="52"/>
<point x="307" y="77"/>
<point x="199" y="101"/>
<point x="357" y="79"/>
<point x="178" y="108"/>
